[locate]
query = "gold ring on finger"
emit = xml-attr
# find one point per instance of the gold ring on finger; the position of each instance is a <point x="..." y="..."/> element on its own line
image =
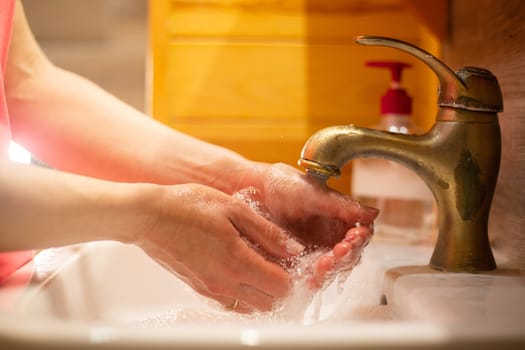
<point x="232" y="306"/>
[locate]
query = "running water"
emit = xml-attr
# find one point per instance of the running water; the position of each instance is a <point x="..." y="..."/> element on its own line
<point x="303" y="305"/>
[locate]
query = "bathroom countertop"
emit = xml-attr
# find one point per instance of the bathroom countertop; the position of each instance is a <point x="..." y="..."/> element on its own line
<point x="490" y="302"/>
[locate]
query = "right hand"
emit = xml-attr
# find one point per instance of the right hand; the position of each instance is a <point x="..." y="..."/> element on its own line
<point x="197" y="236"/>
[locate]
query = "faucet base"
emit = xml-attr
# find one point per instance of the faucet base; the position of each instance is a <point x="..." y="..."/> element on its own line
<point x="477" y="256"/>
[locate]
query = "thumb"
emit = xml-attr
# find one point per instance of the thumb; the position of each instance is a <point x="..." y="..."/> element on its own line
<point x="267" y="235"/>
<point x="348" y="209"/>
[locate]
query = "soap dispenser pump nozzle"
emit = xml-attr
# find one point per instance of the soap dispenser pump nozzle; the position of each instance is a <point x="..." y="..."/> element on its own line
<point x="395" y="100"/>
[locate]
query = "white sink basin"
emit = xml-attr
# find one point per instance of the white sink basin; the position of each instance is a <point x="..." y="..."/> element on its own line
<point x="109" y="295"/>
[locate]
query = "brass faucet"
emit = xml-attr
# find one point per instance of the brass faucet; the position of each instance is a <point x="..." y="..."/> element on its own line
<point x="458" y="158"/>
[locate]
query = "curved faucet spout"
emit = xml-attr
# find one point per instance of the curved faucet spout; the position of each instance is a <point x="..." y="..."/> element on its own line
<point x="328" y="150"/>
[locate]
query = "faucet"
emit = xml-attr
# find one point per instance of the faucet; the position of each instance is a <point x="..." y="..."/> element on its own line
<point x="458" y="158"/>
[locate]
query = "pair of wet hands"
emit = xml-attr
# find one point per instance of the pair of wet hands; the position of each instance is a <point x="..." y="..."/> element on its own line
<point x="334" y="241"/>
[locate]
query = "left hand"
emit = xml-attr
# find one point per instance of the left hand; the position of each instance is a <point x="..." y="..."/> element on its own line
<point x="315" y="215"/>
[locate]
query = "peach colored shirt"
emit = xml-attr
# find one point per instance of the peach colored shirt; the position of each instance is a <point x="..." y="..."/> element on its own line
<point x="10" y="261"/>
<point x="6" y="24"/>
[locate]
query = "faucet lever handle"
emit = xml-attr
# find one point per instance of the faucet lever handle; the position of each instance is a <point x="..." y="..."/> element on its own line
<point x="470" y="88"/>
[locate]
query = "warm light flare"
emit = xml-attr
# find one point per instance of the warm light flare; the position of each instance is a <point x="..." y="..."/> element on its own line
<point x="19" y="154"/>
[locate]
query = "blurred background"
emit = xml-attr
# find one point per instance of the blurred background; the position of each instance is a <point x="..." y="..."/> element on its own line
<point x="103" y="40"/>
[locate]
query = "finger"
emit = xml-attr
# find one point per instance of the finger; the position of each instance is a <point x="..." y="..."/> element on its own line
<point x="354" y="242"/>
<point x="252" y="298"/>
<point x="234" y="304"/>
<point x="359" y="236"/>
<point x="345" y="208"/>
<point x="269" y="236"/>
<point x="249" y="296"/>
<point x="225" y="292"/>
<point x="258" y="272"/>
<point x="345" y="254"/>
<point x="348" y="252"/>
<point x="203" y="289"/>
<point x="321" y="268"/>
<point x="248" y="299"/>
<point x="228" y="302"/>
<point x="353" y="211"/>
<point x="341" y="249"/>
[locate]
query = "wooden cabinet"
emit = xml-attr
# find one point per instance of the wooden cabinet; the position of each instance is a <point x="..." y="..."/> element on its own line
<point x="260" y="76"/>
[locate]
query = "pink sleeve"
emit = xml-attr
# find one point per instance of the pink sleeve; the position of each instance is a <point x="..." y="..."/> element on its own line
<point x="7" y="8"/>
<point x="11" y="261"/>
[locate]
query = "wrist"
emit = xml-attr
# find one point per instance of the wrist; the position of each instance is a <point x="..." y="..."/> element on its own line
<point x="246" y="174"/>
<point x="259" y="174"/>
<point x="142" y="207"/>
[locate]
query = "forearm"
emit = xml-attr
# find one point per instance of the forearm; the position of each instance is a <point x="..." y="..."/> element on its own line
<point x="41" y="208"/>
<point x="75" y="126"/>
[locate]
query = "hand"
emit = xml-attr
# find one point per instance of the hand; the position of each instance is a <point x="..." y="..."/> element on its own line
<point x="315" y="215"/>
<point x="343" y="257"/>
<point x="198" y="237"/>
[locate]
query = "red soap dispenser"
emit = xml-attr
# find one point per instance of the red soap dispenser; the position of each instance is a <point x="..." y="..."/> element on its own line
<point x="396" y="104"/>
<point x="407" y="207"/>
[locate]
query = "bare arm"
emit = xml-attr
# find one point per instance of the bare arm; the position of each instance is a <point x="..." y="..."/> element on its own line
<point x="191" y="230"/>
<point x="74" y="125"/>
<point x="42" y="208"/>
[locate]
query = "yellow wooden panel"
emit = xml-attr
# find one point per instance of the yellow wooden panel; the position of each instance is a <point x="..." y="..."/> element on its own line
<point x="236" y="81"/>
<point x="252" y="83"/>
<point x="232" y="22"/>
<point x="271" y="18"/>
<point x="259" y="76"/>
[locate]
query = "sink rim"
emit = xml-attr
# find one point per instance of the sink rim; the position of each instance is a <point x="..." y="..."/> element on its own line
<point x="349" y="334"/>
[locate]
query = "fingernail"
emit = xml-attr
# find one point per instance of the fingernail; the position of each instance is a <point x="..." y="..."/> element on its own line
<point x="293" y="247"/>
<point x="371" y="210"/>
